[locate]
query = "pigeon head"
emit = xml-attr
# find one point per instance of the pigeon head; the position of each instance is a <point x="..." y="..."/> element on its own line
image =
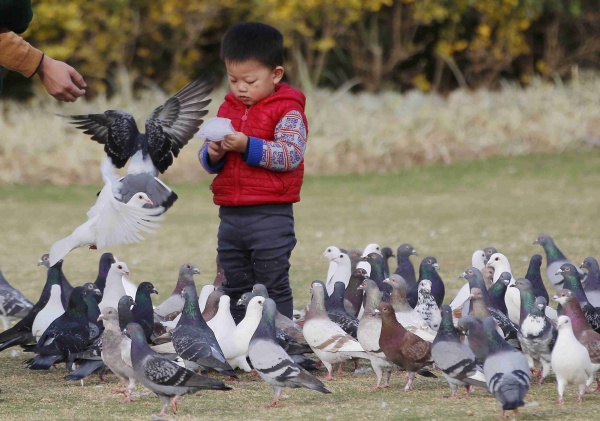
<point x="563" y="323"/>
<point x="147" y="287"/>
<point x="120" y="267"/>
<point x="317" y="290"/>
<point x="189" y="292"/>
<point x="472" y="275"/>
<point x="109" y="313"/>
<point x="331" y="252"/>
<point x="505" y="277"/>
<point x="91" y="289"/>
<point x="522" y="284"/>
<point x="476" y="294"/>
<point x="567" y="270"/>
<point x="255" y="305"/>
<point x="190" y="269"/>
<point x="498" y="261"/>
<point x="469" y="324"/>
<point x="540" y="305"/>
<point x="44" y="260"/>
<point x="430" y="263"/>
<point x="372" y="248"/>
<point x="387" y="252"/>
<point x="543" y="239"/>
<point x="406" y="250"/>
<point x="260" y="289"/>
<point x="589" y="263"/>
<point x="396" y="282"/>
<point x="563" y="296"/>
<point x="489" y="251"/>
<point x="360" y="273"/>
<point x="126" y="301"/>
<point x="425" y="286"/>
<point x="245" y="299"/>
<point x="135" y="332"/>
<point x="140" y="199"/>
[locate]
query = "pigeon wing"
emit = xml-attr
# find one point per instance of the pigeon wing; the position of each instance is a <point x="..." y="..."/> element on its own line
<point x="173" y="124"/>
<point x="114" y="129"/>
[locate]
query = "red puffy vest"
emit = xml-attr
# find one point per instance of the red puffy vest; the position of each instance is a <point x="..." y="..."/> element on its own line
<point x="239" y="184"/>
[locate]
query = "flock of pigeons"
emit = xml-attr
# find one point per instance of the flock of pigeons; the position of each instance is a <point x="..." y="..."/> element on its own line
<point x="497" y="333"/>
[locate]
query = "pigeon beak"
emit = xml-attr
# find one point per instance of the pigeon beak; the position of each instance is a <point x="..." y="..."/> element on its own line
<point x="463" y="275"/>
<point x="559" y="271"/>
<point x="414" y="252"/>
<point x="471" y="297"/>
<point x="150" y="202"/>
<point x="555" y="298"/>
<point x="376" y="311"/>
<point x="581" y="266"/>
<point x="197" y="271"/>
<point x="40" y="263"/>
<point x="97" y="292"/>
<point x="154" y="291"/>
<point x="436" y="266"/>
<point x="100" y="317"/>
<point x="239" y="302"/>
<point x="536" y="241"/>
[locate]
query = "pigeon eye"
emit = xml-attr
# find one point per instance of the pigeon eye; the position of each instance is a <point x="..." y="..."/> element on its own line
<point x="139" y="196"/>
<point x="341" y="256"/>
<point x="120" y="267"/>
<point x="470" y="272"/>
<point x="567" y="269"/>
<point x="328" y="250"/>
<point x="189" y="267"/>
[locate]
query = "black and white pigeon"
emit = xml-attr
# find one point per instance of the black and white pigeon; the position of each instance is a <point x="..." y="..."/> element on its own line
<point x="113" y="343"/>
<point x="454" y="357"/>
<point x="173" y="305"/>
<point x="69" y="334"/>
<point x="168" y="129"/>
<point x="428" y="270"/>
<point x="426" y="305"/>
<point x="51" y="311"/>
<point x="13" y="304"/>
<point x="65" y="285"/>
<point x="109" y="223"/>
<point x="162" y="376"/>
<point x="104" y="264"/>
<point x="505" y="369"/>
<point x="537" y="334"/>
<point x="195" y="342"/>
<point x="554" y="259"/>
<point x="572" y="281"/>
<point x="405" y="267"/>
<point x="592" y="283"/>
<point x="271" y="361"/>
<point x="570" y="360"/>
<point x="20" y="333"/>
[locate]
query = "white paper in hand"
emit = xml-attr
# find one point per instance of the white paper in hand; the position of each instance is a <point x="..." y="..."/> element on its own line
<point x="215" y="129"/>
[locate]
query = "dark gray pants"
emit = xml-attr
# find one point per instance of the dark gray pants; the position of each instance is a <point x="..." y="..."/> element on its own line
<point x="254" y="247"/>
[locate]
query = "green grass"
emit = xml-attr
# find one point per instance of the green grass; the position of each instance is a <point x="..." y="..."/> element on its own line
<point x="446" y="211"/>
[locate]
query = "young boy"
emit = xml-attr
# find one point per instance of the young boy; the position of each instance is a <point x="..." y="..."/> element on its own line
<point x="259" y="168"/>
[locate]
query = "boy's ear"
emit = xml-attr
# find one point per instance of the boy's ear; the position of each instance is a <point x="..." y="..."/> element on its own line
<point x="278" y="74"/>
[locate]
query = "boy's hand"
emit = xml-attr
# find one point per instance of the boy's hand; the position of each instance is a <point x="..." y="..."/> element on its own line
<point x="215" y="152"/>
<point x="237" y="142"/>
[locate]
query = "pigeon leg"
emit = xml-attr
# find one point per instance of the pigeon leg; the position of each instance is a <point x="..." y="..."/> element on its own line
<point x="127" y="397"/>
<point x="329" y="372"/>
<point x="340" y="369"/>
<point x="165" y="402"/>
<point x="275" y="402"/>
<point x="409" y="383"/>
<point x="174" y="402"/>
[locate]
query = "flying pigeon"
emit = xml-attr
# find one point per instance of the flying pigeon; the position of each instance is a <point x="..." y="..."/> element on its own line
<point x="162" y="376"/>
<point x="110" y="222"/>
<point x="168" y="129"/>
<point x="570" y="360"/>
<point x="13" y="304"/>
<point x="454" y="357"/>
<point x="270" y="360"/>
<point x="328" y="341"/>
<point x="554" y="259"/>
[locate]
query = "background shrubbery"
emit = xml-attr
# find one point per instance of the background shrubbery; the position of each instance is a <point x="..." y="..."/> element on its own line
<point x="433" y="45"/>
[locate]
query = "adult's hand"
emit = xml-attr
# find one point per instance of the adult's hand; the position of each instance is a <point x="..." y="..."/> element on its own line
<point x="61" y="81"/>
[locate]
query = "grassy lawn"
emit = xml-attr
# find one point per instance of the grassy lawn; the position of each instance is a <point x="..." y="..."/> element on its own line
<point x="446" y="211"/>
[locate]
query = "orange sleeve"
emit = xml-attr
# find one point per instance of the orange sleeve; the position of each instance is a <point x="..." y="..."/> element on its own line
<point x="18" y="55"/>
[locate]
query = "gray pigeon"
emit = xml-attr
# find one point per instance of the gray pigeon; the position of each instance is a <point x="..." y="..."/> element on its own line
<point x="173" y="305"/>
<point x="454" y="357"/>
<point x="505" y="369"/>
<point x="114" y="343"/>
<point x="554" y="259"/>
<point x="162" y="376"/>
<point x="272" y="363"/>
<point x="195" y="342"/>
<point x="13" y="304"/>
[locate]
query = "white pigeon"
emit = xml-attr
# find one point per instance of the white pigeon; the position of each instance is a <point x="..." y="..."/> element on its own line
<point x="326" y="338"/>
<point x="329" y="253"/>
<point x="109" y="223"/>
<point x="342" y="273"/>
<point x="235" y="344"/>
<point x="372" y="248"/>
<point x="570" y="360"/>
<point x="203" y="296"/>
<point x="49" y="313"/>
<point x="461" y="300"/>
<point x="114" y="289"/>
<point x="222" y="324"/>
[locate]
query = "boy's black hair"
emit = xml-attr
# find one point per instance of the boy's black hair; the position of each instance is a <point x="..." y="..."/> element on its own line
<point x="253" y="41"/>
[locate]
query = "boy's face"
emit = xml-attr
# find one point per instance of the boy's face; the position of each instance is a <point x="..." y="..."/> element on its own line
<point x="251" y="81"/>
